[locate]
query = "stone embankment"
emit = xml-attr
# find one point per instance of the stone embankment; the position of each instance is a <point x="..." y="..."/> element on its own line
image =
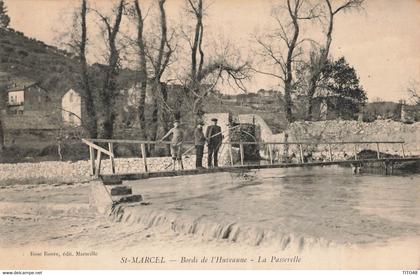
<point x="56" y="171"/>
<point x="63" y="172"/>
<point x="341" y="130"/>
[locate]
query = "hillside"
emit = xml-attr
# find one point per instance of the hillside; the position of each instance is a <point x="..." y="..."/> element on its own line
<point x="23" y="57"/>
<point x="27" y="59"/>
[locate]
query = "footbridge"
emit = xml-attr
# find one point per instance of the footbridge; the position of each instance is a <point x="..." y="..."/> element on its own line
<point x="108" y="187"/>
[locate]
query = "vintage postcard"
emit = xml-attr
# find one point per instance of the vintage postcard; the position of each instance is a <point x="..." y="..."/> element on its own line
<point x="209" y="134"/>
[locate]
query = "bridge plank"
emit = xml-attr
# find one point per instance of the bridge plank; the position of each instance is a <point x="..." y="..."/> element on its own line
<point x="158" y="174"/>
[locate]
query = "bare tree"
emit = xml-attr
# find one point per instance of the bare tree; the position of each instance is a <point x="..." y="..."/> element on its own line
<point x="2" y="104"/>
<point x="76" y="41"/>
<point x="413" y="92"/>
<point x="89" y="102"/>
<point x="210" y="72"/>
<point x="287" y="36"/>
<point x="160" y="60"/>
<point x="108" y="91"/>
<point x="1" y="135"/>
<point x="143" y="74"/>
<point x="319" y="61"/>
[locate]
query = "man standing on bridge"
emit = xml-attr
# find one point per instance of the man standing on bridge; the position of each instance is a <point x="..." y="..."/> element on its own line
<point x="176" y="144"/>
<point x="214" y="140"/>
<point x="199" y="140"/>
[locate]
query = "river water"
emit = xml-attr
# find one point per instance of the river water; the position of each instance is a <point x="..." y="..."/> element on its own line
<point x="285" y="209"/>
<point x="323" y="203"/>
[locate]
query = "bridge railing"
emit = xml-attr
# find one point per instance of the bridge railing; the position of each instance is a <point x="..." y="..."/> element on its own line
<point x="96" y="152"/>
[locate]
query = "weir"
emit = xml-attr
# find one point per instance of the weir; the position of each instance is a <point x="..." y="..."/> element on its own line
<point x="108" y="189"/>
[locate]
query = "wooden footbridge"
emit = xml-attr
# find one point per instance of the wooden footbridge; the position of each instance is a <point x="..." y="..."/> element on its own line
<point x="97" y="153"/>
<point x="110" y="184"/>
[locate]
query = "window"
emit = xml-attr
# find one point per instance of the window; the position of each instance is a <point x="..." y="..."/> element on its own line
<point x="71" y="97"/>
<point x="71" y="118"/>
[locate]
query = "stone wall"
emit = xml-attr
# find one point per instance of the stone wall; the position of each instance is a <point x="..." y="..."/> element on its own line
<point x="32" y="120"/>
<point x="80" y="170"/>
<point x="340" y="130"/>
<point x="56" y="171"/>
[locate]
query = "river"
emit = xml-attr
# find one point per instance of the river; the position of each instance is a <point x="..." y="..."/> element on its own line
<point x="296" y="210"/>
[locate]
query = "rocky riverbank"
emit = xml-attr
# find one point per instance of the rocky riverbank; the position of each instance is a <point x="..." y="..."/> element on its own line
<point x="79" y="171"/>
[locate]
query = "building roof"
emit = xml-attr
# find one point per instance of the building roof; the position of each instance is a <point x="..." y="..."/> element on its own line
<point x="20" y="84"/>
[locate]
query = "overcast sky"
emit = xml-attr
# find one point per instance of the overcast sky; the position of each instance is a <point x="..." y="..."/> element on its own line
<point x="381" y="42"/>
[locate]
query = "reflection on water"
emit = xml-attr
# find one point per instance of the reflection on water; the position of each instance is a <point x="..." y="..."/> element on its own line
<point x="320" y="202"/>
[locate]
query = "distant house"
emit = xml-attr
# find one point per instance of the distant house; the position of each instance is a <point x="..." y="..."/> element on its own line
<point x="266" y="93"/>
<point x="247" y="98"/>
<point x="29" y="107"/>
<point x="71" y="108"/>
<point x="26" y="97"/>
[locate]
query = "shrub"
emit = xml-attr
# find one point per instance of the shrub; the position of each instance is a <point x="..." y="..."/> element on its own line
<point x="23" y="53"/>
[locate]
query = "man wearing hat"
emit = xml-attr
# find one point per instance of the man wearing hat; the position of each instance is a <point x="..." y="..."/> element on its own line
<point x="176" y="144"/>
<point x="214" y="140"/>
<point x="199" y="141"/>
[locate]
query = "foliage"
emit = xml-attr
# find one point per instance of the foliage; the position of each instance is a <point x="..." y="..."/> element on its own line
<point x="4" y="18"/>
<point x="340" y="86"/>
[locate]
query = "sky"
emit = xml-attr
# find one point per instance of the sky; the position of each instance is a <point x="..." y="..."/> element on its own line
<point x="381" y="42"/>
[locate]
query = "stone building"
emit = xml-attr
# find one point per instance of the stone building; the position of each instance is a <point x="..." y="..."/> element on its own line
<point x="26" y="98"/>
<point x="71" y="108"/>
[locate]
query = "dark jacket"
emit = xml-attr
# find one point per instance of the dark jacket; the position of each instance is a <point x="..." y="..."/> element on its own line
<point x="199" y="138"/>
<point x="211" y="131"/>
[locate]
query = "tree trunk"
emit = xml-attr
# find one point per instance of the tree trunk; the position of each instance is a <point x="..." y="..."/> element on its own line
<point x="108" y="92"/>
<point x="142" y="110"/>
<point x="288" y="103"/>
<point x="323" y="57"/>
<point x="198" y="108"/>
<point x="288" y="82"/>
<point x="310" y="106"/>
<point x="154" y="124"/>
<point x="143" y="76"/>
<point x="89" y="103"/>
<point x="164" y="115"/>
<point x="107" y="100"/>
<point x="1" y="136"/>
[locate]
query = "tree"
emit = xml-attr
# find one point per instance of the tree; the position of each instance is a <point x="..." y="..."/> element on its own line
<point x="1" y="134"/>
<point x="283" y="49"/>
<point x="143" y="75"/>
<point x="340" y="87"/>
<point x="85" y="78"/>
<point x="413" y="92"/>
<point x="108" y="91"/>
<point x="4" y="18"/>
<point x="320" y="59"/>
<point x="160" y="59"/>
<point x="205" y="74"/>
<point x="2" y="103"/>
<point x="155" y="48"/>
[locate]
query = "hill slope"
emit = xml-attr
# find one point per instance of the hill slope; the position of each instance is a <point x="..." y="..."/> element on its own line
<point x="23" y="57"/>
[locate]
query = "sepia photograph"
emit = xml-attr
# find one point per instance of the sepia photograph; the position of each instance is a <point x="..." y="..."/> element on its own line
<point x="209" y="135"/>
